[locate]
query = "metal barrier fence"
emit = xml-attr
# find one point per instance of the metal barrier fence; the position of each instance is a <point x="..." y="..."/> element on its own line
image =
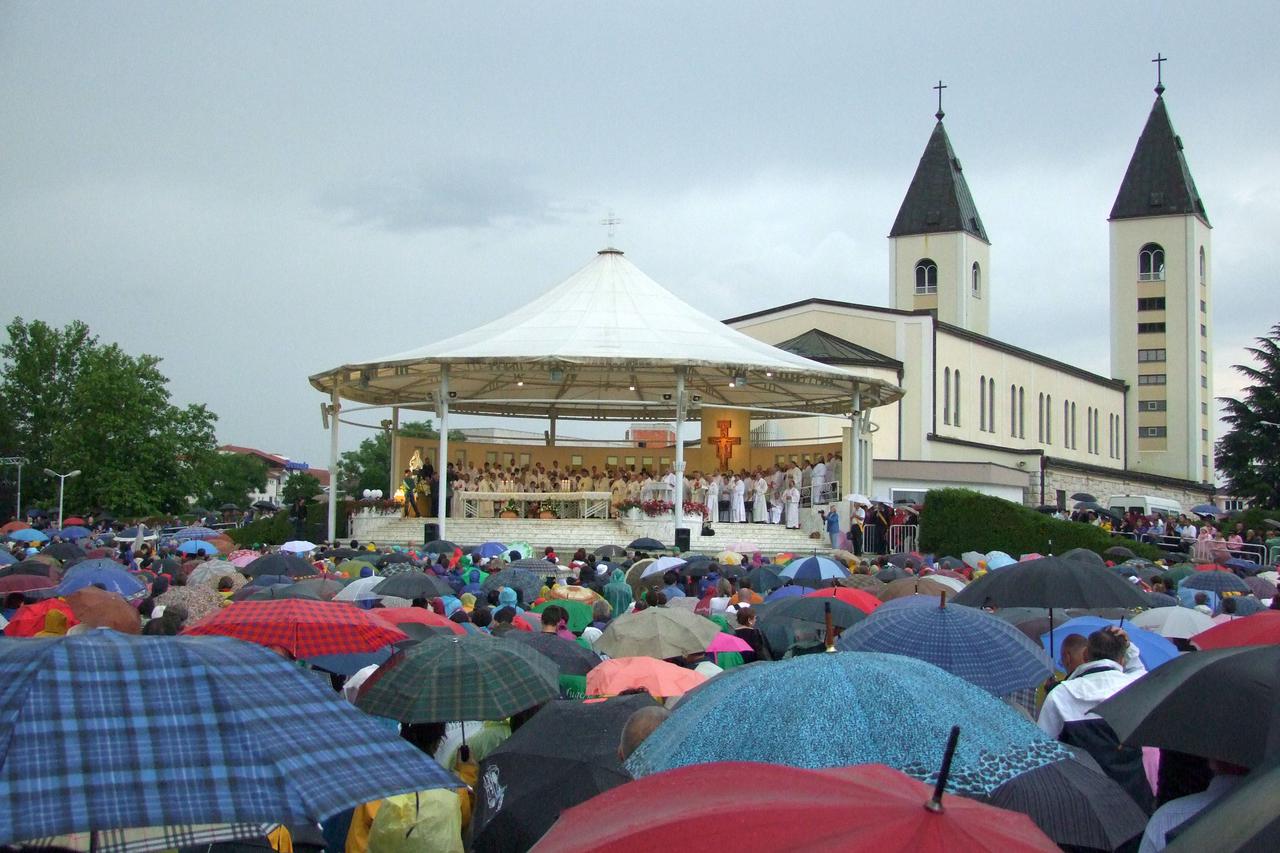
<point x="1252" y="553"/>
<point x="896" y="539"/>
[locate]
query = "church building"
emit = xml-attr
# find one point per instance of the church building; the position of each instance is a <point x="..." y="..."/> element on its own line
<point x="980" y="413"/>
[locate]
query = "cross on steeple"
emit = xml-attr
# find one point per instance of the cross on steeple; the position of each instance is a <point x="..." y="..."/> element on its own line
<point x="939" y="114"/>
<point x="1160" y="61"/>
<point x="611" y="222"/>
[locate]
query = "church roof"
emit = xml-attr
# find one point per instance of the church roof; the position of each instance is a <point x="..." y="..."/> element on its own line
<point x="1158" y="181"/>
<point x="827" y="348"/>
<point x="938" y="199"/>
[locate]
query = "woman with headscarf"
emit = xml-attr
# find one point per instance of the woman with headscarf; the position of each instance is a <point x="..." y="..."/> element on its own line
<point x="618" y="593"/>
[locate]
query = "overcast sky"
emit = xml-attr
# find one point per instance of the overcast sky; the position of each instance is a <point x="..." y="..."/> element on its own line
<point x="259" y="191"/>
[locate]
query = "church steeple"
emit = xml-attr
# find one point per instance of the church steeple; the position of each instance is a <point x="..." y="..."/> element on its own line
<point x="938" y="199"/>
<point x="1158" y="181"/>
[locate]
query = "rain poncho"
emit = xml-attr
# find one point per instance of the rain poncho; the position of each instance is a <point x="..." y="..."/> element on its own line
<point x="508" y="598"/>
<point x="618" y="592"/>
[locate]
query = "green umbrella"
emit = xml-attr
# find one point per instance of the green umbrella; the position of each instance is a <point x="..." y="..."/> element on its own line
<point x="1180" y="571"/>
<point x="459" y="678"/>
<point x="352" y="568"/>
<point x="657" y="632"/>
<point x="580" y="613"/>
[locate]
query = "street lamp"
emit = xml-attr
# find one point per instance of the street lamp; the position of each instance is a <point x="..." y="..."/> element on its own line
<point x="62" y="484"/>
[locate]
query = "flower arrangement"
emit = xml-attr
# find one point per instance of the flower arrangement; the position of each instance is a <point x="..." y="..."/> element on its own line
<point x="511" y="506"/>
<point x="695" y="508"/>
<point x="629" y="504"/>
<point x="657" y="507"/>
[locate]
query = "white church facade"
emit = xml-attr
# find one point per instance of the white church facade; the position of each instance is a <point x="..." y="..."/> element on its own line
<point x="980" y="413"/>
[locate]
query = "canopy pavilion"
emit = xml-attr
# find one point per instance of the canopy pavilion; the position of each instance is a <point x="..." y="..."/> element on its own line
<point x="607" y="344"/>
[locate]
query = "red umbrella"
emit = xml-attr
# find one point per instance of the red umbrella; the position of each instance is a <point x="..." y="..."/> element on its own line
<point x="73" y="520"/>
<point x="1211" y="567"/>
<point x="29" y="620"/>
<point x="861" y="599"/>
<point x="10" y="526"/>
<point x="24" y="583"/>
<point x="416" y="616"/>
<point x="304" y="628"/>
<point x="1260" y="629"/>
<point x="99" y="608"/>
<point x="767" y="807"/>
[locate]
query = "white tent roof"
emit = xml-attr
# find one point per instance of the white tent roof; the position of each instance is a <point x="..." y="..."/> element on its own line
<point x="605" y="343"/>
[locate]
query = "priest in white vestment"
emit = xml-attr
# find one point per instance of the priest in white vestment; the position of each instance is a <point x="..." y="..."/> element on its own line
<point x="738" y="512"/>
<point x="759" y="508"/>
<point x="713" y="499"/>
<point x="791" y="499"/>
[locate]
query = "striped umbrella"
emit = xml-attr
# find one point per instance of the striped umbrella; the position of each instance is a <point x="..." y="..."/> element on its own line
<point x="814" y="571"/>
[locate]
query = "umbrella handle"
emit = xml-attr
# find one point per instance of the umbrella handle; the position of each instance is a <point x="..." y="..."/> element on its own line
<point x="935" y="802"/>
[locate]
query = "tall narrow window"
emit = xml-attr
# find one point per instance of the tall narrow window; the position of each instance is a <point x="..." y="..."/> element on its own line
<point x="977" y="279"/>
<point x="1075" y="444"/>
<point x="1048" y="419"/>
<point x="1040" y="420"/>
<point x="982" y="403"/>
<point x="957" y="410"/>
<point x="991" y="405"/>
<point x="1066" y="423"/>
<point x="1088" y="429"/>
<point x="1013" y="411"/>
<point x="1022" y="412"/>
<point x="946" y="395"/>
<point x="1151" y="263"/>
<point x="1202" y="265"/>
<point x="926" y="276"/>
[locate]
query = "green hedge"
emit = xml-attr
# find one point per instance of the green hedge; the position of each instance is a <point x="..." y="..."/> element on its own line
<point x="275" y="530"/>
<point x="957" y="520"/>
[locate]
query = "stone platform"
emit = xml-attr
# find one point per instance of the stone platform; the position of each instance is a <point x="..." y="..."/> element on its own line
<point x="570" y="534"/>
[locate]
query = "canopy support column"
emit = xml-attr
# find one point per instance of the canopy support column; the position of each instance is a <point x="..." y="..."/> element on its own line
<point x="551" y="433"/>
<point x="335" y="407"/>
<point x="442" y="461"/>
<point x="393" y="440"/>
<point x="678" y="497"/>
<point x="857" y="485"/>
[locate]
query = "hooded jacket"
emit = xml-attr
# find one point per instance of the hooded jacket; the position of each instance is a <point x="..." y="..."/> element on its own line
<point x="618" y="592"/>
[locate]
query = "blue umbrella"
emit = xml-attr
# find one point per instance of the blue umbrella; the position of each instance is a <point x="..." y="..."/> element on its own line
<point x="1215" y="581"/>
<point x="790" y="591"/>
<point x="832" y="710"/>
<point x="35" y="512"/>
<point x="196" y="546"/>
<point x="74" y="532"/>
<point x="966" y="642"/>
<point x="231" y="716"/>
<point x="1206" y="509"/>
<point x="195" y="533"/>
<point x="1248" y="567"/>
<point x="814" y="571"/>
<point x="110" y="575"/>
<point x="132" y="533"/>
<point x="491" y="549"/>
<point x="28" y="534"/>
<point x="1154" y="649"/>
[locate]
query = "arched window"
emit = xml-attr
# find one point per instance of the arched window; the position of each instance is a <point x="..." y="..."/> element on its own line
<point x="1151" y="263"/>
<point x="1040" y="419"/>
<point x="946" y="395"/>
<point x="991" y="405"/>
<point x="1022" y="419"/>
<point x="927" y="276"/>
<point x="977" y="279"/>
<point x="1013" y="410"/>
<point x="982" y="403"/>
<point x="1202" y="265"/>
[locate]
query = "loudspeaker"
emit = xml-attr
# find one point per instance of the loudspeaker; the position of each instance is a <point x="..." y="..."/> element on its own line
<point x="682" y="539"/>
<point x="430" y="532"/>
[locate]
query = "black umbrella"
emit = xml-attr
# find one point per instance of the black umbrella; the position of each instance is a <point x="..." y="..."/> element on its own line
<point x="565" y="755"/>
<point x="1074" y="803"/>
<point x="39" y="568"/>
<point x="610" y="551"/>
<point x="341" y="554"/>
<point x="1159" y="599"/>
<point x="781" y="622"/>
<point x="1119" y="552"/>
<point x="279" y="563"/>
<point x="763" y="579"/>
<point x="523" y="581"/>
<point x="392" y="558"/>
<point x="891" y="573"/>
<point x="1216" y="704"/>
<point x="265" y="505"/>
<point x="1244" y="820"/>
<point x="64" y="551"/>
<point x="1046" y="509"/>
<point x="440" y="546"/>
<point x="572" y="658"/>
<point x="644" y="543"/>
<point x="1084" y="496"/>
<point x="413" y="585"/>
<point x="229" y="507"/>
<point x="291" y="590"/>
<point x="1051" y="582"/>
<point x="533" y="564"/>
<point x="1216" y="581"/>
<point x="1084" y="555"/>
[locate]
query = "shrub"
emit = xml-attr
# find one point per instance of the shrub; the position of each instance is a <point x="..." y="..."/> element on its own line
<point x="957" y="520"/>
<point x="274" y="530"/>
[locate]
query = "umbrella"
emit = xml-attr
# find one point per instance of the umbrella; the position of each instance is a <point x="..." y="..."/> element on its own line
<point x="814" y="571"/>
<point x="298" y="546"/>
<point x="13" y="525"/>
<point x="1215" y="581"/>
<point x="195" y="532"/>
<point x="27" y="534"/>
<point x="36" y="512"/>
<point x="1261" y="588"/>
<point x="864" y="601"/>
<point x="785" y="621"/>
<point x="523" y="581"/>
<point x="1247" y="605"/>
<point x="440" y="546"/>
<point x="728" y="643"/>
<point x="607" y="551"/>
<point x="38" y="568"/>
<point x="111" y="576"/>
<point x="658" y="677"/>
<point x="580" y="614"/>
<point x="228" y="507"/>
<point x="891" y="573"/>
<point x="763" y="579"/>
<point x="30" y="618"/>
<point x="1119" y="552"/>
<point x="266" y="505"/>
<point x="1084" y="496"/>
<point x="198" y="601"/>
<point x="1245" y="567"/>
<point x="661" y="566"/>
<point x="303" y="628"/>
<point x="98" y="608"/>
<point x="197" y="546"/>
<point x="572" y="658"/>
<point x="24" y="583"/>
<point x="491" y="549"/>
<point x="843" y="708"/>
<point x="533" y="564"/>
<point x="763" y="807"/>
<point x="644" y="543"/>
<point x="915" y="586"/>
<point x="1075" y="803"/>
<point x="970" y="644"/>
<point x="282" y="592"/>
<point x="657" y="632"/>
<point x="241" y="712"/>
<point x="867" y="583"/>
<point x="209" y="573"/>
<point x="288" y="565"/>
<point x="413" y="585"/>
<point x="7" y="559"/>
<point x="1154" y="649"/>
<point x="1174" y="622"/>
<point x="402" y="616"/>
<point x="74" y="532"/>
<point x="1256" y="630"/>
<point x="1206" y="509"/>
<point x="1216" y="704"/>
<point x="538" y="772"/>
<point x="1052" y="582"/>
<point x="1243" y="820"/>
<point x="393" y="557"/>
<point x="788" y="591"/>
<point x="353" y="567"/>
<point x="361" y="589"/>
<point x="459" y="678"/>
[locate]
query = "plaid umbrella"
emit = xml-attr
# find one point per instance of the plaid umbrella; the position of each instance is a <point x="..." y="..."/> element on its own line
<point x="154" y="839"/>
<point x="657" y="632"/>
<point x="187" y="533"/>
<point x="459" y="678"/>
<point x="304" y="628"/>
<point x="522" y="581"/>
<point x="968" y="643"/>
<point x="230" y="716"/>
<point x="1218" y="582"/>
<point x="572" y="658"/>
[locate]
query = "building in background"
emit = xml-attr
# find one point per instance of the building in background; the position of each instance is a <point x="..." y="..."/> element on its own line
<point x="279" y="469"/>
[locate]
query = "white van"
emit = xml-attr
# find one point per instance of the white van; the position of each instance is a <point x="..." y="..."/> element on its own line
<point x="1144" y="505"/>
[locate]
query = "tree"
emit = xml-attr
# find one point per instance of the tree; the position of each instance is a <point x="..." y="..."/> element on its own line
<point x="228" y="478"/>
<point x="369" y="465"/>
<point x="68" y="402"/>
<point x="300" y="485"/>
<point x="1246" y="455"/>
